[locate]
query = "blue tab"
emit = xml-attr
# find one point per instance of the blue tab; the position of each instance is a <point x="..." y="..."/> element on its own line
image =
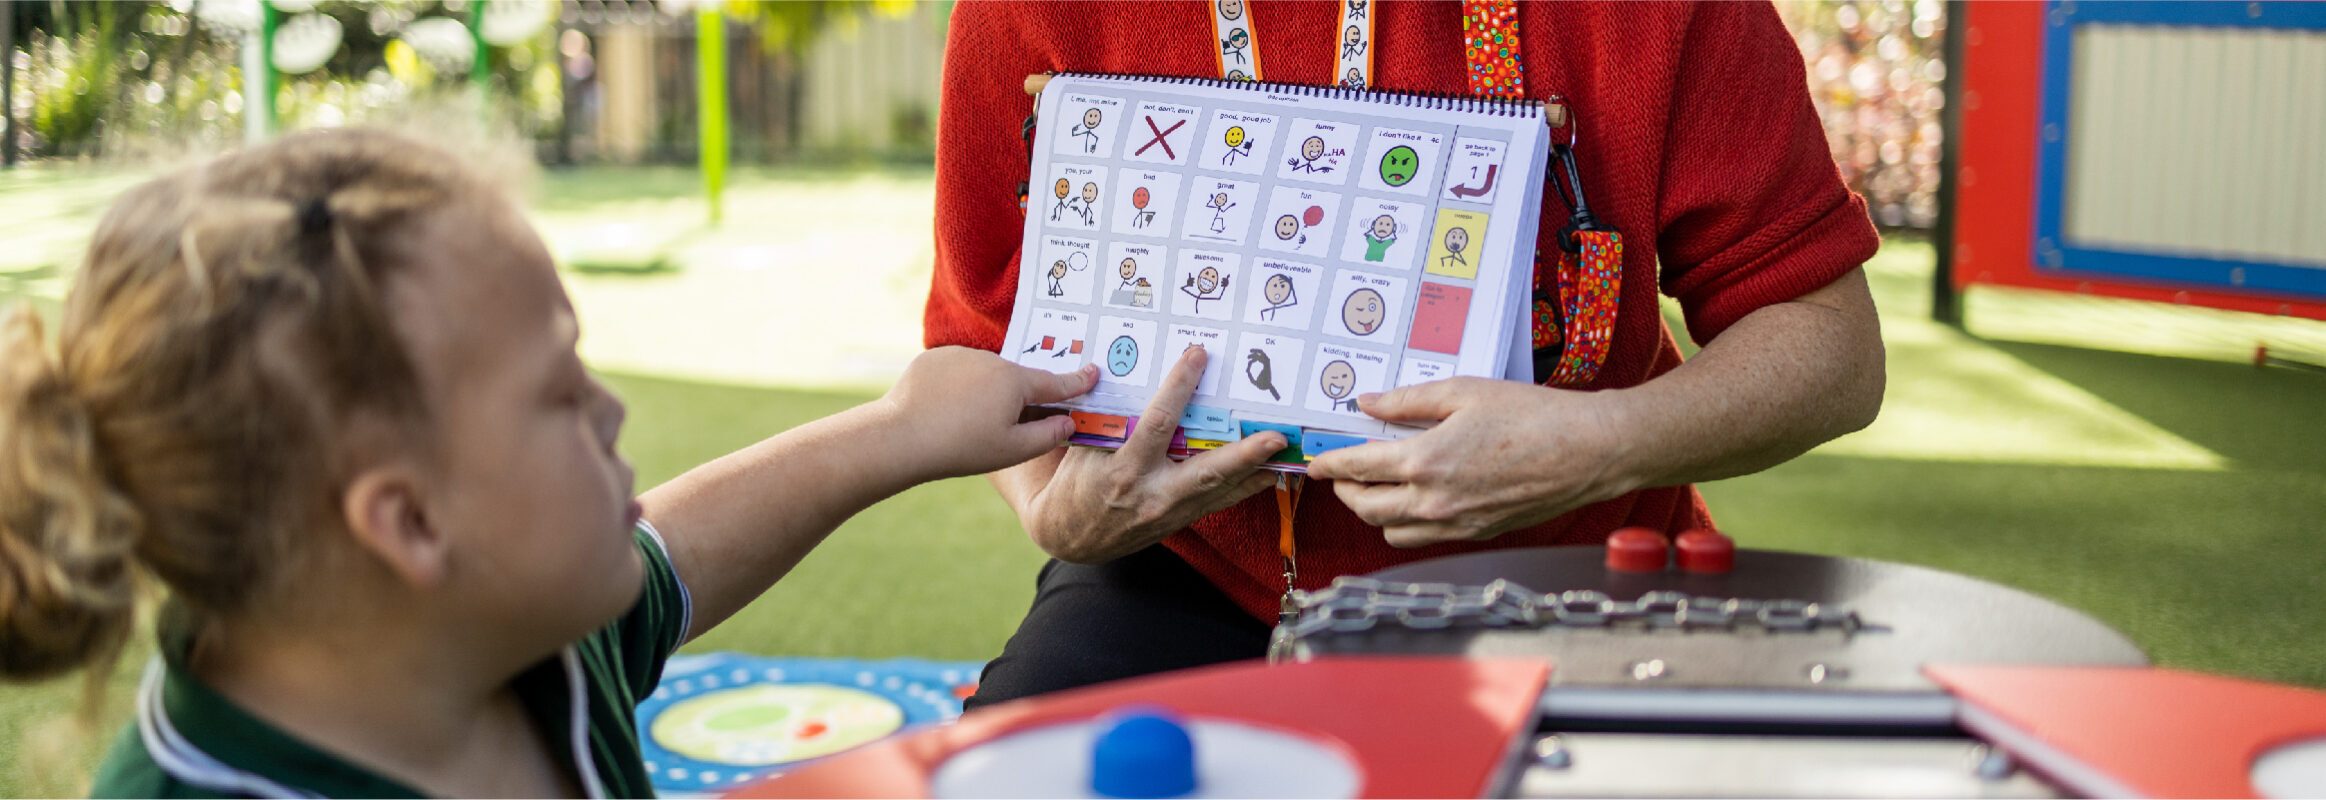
<point x="1206" y="419"/>
<point x="1317" y="443"/>
<point x="1291" y="451"/>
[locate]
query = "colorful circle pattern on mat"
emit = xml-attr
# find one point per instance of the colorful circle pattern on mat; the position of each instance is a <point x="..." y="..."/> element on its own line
<point x="721" y="721"/>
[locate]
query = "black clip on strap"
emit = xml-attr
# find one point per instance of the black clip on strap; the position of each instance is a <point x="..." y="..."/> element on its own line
<point x="1579" y="217"/>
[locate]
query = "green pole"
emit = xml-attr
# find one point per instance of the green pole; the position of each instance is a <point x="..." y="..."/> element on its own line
<point x="258" y="77"/>
<point x="1946" y="304"/>
<point x="480" y="68"/>
<point x="711" y="100"/>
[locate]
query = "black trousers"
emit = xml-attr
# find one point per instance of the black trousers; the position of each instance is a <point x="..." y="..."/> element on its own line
<point x="1143" y="613"/>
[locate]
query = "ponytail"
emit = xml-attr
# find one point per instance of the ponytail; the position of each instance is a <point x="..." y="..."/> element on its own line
<point x="67" y="532"/>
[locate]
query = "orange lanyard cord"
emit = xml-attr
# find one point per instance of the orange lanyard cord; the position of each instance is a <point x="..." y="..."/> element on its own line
<point x="1287" y="498"/>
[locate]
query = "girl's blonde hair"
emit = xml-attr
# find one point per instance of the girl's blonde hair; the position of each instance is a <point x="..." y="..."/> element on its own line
<point x="227" y="334"/>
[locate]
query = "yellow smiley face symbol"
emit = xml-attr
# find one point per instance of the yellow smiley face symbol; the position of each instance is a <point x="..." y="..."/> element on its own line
<point x="1235" y="136"/>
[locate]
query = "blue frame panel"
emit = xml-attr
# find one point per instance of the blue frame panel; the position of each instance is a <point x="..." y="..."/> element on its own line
<point x="2053" y="254"/>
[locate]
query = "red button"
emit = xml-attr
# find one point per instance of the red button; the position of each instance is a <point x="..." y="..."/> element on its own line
<point x="1637" y="550"/>
<point x="1707" y="553"/>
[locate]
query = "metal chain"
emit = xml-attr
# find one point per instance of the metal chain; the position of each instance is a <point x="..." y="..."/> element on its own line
<point x="1359" y="604"/>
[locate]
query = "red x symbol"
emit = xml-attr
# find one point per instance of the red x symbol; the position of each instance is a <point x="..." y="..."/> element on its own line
<point x="1158" y="140"/>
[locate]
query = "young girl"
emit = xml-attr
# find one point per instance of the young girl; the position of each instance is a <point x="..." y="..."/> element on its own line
<point x="326" y="391"/>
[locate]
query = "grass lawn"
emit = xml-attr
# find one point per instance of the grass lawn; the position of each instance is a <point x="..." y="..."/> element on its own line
<point x="2176" y="498"/>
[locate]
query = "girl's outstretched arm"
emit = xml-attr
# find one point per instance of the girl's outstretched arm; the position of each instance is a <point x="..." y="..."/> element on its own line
<point x="737" y="524"/>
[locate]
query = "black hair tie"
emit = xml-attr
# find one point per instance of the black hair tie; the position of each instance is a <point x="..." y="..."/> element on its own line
<point x="314" y="217"/>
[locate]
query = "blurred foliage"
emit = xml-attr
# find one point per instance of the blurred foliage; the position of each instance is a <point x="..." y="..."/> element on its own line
<point x="120" y="78"/>
<point x="88" y="69"/>
<point x="1875" y="71"/>
<point x="117" y="78"/>
<point x="792" y="26"/>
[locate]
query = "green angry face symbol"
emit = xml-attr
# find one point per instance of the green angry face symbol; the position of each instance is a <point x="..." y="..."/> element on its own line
<point x="1399" y="165"/>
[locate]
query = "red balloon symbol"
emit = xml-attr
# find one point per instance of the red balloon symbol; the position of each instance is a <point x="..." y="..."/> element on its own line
<point x="1312" y="216"/>
<point x="1139" y="198"/>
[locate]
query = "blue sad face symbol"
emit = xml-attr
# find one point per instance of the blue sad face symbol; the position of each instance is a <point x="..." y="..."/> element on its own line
<point x="1122" y="356"/>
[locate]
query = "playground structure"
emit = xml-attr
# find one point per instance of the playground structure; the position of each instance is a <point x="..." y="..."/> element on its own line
<point x="2172" y="152"/>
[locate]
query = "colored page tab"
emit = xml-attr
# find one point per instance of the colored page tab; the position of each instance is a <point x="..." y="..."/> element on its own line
<point x="1205" y="419"/>
<point x="1317" y="443"/>
<point x="1291" y="452"/>
<point x="1106" y="425"/>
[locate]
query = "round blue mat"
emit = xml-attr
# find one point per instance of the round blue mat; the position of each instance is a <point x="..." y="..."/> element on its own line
<point x="722" y="720"/>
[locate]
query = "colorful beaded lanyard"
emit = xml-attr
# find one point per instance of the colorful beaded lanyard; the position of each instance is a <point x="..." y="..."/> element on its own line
<point x="1573" y="320"/>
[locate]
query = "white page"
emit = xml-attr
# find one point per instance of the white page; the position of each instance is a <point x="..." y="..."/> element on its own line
<point x="1165" y="211"/>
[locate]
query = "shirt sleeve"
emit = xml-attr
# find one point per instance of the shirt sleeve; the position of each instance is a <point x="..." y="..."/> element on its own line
<point x="981" y="159"/>
<point x="646" y="636"/>
<point x="1751" y="210"/>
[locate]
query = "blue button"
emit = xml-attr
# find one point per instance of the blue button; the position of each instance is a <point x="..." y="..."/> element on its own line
<point x="1143" y="753"/>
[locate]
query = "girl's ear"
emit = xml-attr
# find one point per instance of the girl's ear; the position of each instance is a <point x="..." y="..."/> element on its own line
<point x="386" y="518"/>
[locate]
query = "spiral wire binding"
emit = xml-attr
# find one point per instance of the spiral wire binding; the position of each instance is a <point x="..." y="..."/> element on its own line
<point x="1436" y="101"/>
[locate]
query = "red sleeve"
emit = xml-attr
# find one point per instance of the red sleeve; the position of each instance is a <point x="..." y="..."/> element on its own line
<point x="981" y="158"/>
<point x="1751" y="211"/>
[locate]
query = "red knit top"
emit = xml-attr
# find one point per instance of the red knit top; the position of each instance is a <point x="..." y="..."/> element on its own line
<point x="1698" y="143"/>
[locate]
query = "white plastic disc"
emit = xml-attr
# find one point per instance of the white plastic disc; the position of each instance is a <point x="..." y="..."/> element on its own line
<point x="1232" y="759"/>
<point x="2294" y="769"/>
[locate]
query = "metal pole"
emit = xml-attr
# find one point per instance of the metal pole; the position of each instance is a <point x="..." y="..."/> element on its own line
<point x="1946" y="305"/>
<point x="7" y="84"/>
<point x="711" y="104"/>
<point x="258" y="77"/>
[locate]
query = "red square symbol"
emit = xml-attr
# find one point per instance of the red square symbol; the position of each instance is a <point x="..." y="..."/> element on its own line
<point x="1438" y="318"/>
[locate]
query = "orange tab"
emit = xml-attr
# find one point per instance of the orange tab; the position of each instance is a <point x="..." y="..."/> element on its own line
<point x="1107" y="425"/>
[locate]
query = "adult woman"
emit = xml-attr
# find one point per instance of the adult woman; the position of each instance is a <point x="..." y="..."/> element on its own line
<point x="1701" y="147"/>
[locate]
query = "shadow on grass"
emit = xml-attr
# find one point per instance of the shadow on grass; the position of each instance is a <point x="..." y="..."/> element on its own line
<point x="2208" y="570"/>
<point x="2261" y="418"/>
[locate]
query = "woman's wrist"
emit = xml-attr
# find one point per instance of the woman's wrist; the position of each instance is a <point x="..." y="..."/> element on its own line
<point x="1628" y="443"/>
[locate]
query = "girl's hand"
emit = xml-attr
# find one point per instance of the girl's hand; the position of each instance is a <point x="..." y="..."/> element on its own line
<point x="959" y="410"/>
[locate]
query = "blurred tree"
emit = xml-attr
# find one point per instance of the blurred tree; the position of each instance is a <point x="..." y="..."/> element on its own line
<point x="791" y="27"/>
<point x="1876" y="70"/>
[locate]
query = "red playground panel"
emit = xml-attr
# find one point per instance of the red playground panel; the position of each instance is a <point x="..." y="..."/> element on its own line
<point x="2002" y="139"/>
<point x="1418" y="727"/>
<point x="2124" y="732"/>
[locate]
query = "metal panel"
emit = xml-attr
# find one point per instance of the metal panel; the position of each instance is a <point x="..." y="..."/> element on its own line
<point x="1643" y="765"/>
<point x="2198" y="141"/>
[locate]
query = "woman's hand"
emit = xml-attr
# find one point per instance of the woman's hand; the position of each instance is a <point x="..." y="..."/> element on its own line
<point x="1100" y="505"/>
<point x="1503" y="455"/>
<point x="961" y="408"/>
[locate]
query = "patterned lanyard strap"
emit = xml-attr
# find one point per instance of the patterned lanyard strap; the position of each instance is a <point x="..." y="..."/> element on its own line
<point x="1573" y="322"/>
<point x="1490" y="42"/>
<point x="1239" y="47"/>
